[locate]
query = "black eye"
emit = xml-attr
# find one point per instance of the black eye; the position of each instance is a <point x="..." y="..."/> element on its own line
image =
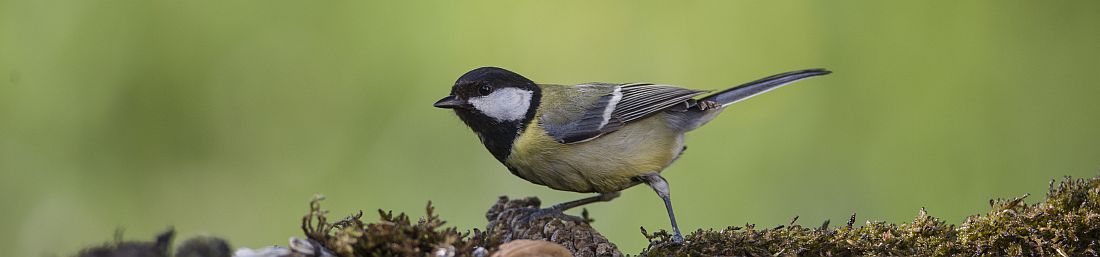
<point x="484" y="90"/>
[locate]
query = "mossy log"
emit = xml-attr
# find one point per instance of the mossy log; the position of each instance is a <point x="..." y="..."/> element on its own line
<point x="1065" y="223"/>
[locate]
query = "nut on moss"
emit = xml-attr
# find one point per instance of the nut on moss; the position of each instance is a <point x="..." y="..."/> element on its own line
<point x="532" y="248"/>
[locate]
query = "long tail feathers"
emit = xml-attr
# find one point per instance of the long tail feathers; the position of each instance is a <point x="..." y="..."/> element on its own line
<point x="747" y="90"/>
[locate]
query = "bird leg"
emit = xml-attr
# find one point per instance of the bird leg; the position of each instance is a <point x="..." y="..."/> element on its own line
<point x="557" y="209"/>
<point x="603" y="197"/>
<point x="660" y="186"/>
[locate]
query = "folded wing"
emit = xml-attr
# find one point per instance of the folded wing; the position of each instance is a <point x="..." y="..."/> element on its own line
<point x="619" y="105"/>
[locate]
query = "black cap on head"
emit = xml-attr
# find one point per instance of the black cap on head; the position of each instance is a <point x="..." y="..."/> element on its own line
<point x="493" y="74"/>
<point x="468" y="84"/>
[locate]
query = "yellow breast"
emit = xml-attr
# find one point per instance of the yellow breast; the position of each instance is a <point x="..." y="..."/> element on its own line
<point x="606" y="164"/>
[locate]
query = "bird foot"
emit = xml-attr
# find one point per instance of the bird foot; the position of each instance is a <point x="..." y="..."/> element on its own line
<point x="677" y="239"/>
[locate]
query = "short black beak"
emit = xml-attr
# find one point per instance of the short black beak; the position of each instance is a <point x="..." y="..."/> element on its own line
<point x="451" y="102"/>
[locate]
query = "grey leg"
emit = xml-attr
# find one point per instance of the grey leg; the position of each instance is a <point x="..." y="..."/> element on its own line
<point x="660" y="186"/>
<point x="557" y="209"/>
<point x="603" y="197"/>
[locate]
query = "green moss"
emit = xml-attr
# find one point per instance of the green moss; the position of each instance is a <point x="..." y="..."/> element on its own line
<point x="399" y="236"/>
<point x="1066" y="223"/>
<point x="389" y="236"/>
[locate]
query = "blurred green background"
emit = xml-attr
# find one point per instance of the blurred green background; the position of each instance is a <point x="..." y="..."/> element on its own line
<point x="225" y="117"/>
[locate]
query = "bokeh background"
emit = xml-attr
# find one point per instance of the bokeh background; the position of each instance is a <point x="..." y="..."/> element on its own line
<point x="225" y="117"/>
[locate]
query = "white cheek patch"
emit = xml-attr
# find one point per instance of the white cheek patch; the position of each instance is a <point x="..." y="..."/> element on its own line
<point x="505" y="104"/>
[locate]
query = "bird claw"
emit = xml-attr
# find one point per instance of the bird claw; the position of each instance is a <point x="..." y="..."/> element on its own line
<point x="677" y="239"/>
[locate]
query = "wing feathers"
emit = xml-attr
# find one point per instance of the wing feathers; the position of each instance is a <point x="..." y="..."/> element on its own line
<point x="624" y="104"/>
<point x="608" y="110"/>
<point x="641" y="100"/>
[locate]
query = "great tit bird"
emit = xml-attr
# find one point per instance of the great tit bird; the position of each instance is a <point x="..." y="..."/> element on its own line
<point x="593" y="137"/>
